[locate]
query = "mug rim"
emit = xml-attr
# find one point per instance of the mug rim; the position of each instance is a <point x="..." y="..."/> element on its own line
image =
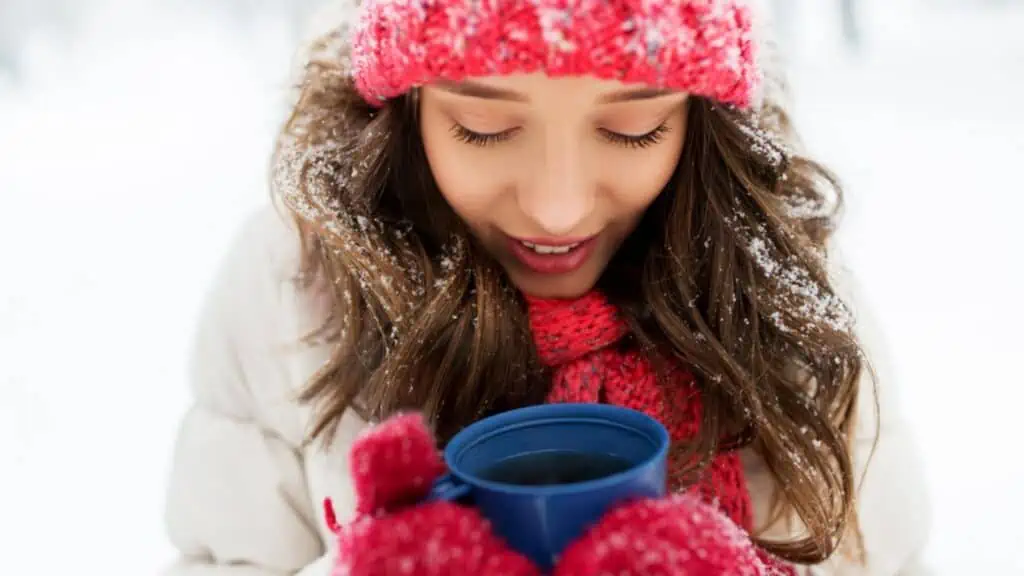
<point x="608" y="413"/>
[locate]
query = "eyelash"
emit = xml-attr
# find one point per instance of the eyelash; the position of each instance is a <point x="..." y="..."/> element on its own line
<point x="466" y="135"/>
<point x="651" y="138"/>
<point x="641" y="141"/>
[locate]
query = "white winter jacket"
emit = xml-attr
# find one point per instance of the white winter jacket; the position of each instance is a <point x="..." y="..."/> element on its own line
<point x="245" y="496"/>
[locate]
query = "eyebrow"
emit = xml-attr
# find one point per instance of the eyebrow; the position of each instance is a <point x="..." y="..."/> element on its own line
<point x="635" y="94"/>
<point x="477" y="90"/>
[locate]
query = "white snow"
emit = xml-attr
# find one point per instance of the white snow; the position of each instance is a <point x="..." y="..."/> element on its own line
<point x="129" y="155"/>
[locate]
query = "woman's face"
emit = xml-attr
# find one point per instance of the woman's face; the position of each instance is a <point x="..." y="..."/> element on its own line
<point x="551" y="174"/>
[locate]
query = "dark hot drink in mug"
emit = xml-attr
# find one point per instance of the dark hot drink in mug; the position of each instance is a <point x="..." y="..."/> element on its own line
<point x="555" y="467"/>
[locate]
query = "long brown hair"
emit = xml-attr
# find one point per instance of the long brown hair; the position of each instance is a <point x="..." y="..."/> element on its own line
<point x="731" y="281"/>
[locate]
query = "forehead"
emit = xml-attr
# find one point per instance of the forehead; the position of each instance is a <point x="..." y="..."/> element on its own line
<point x="538" y="87"/>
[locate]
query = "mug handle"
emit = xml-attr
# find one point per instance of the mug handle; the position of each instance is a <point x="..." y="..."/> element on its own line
<point x="449" y="489"/>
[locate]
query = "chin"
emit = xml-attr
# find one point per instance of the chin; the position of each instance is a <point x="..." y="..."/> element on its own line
<point x="566" y="288"/>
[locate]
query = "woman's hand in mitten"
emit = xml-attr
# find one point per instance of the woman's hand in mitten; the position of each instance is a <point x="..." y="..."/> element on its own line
<point x="672" y="536"/>
<point x="393" y="468"/>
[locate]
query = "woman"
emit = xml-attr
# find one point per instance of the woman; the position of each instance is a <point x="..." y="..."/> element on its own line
<point x="460" y="173"/>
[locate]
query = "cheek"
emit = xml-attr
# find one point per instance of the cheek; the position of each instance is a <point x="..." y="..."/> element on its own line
<point x="636" y="177"/>
<point x="465" y="176"/>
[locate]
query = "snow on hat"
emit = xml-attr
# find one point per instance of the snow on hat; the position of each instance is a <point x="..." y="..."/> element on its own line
<point x="703" y="47"/>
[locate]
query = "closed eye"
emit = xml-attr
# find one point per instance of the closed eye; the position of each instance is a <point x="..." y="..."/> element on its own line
<point x="468" y="136"/>
<point x="636" y="141"/>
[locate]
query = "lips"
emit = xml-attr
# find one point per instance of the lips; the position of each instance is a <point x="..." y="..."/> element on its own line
<point x="550" y="255"/>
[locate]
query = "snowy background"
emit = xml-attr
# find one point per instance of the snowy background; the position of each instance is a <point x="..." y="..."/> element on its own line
<point x="134" y="136"/>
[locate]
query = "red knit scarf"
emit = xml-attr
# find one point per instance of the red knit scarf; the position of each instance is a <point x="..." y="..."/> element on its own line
<point x="577" y="339"/>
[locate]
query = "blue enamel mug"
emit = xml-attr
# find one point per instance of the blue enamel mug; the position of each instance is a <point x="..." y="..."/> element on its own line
<point x="543" y="474"/>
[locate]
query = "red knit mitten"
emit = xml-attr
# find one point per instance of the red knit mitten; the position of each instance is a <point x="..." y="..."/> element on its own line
<point x="677" y="535"/>
<point x="393" y="467"/>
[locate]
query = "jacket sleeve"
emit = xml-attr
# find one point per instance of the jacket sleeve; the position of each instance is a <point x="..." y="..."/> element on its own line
<point x="892" y="499"/>
<point x="238" y="503"/>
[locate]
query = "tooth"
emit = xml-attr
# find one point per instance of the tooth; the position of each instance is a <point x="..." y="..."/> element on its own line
<point x="552" y="249"/>
<point x="542" y="249"/>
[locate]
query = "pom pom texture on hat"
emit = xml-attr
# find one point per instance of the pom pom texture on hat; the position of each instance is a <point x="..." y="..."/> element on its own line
<point x="703" y="47"/>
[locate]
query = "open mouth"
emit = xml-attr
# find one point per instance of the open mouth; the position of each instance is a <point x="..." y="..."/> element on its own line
<point x="552" y="256"/>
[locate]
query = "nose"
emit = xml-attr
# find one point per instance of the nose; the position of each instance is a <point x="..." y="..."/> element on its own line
<point x="560" y="196"/>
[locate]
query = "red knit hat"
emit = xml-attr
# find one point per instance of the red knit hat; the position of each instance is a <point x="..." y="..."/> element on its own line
<point x="704" y="47"/>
